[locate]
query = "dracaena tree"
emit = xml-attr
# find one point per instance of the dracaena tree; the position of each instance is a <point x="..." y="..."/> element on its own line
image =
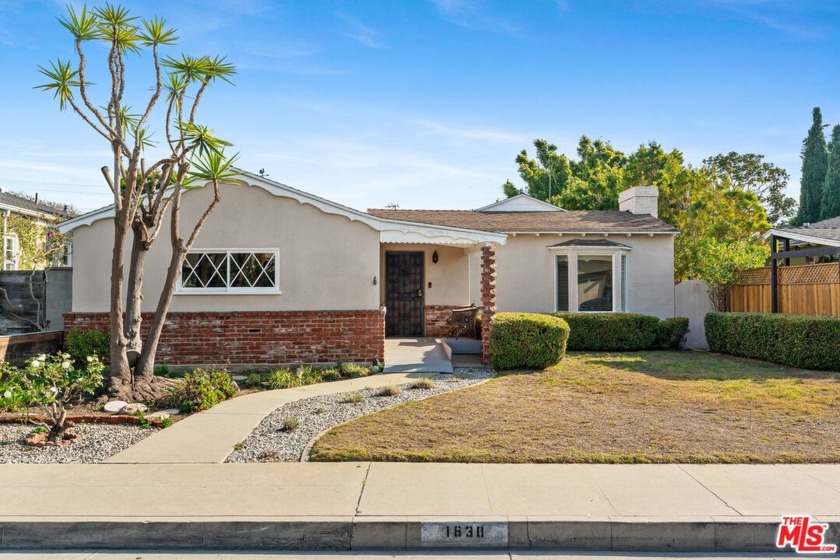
<point x="147" y="180"/>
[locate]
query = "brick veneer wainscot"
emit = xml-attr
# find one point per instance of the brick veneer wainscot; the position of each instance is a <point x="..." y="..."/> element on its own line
<point x="260" y="337"/>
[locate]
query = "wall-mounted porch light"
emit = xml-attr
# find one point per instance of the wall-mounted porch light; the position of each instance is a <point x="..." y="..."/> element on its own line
<point x="435" y="257"/>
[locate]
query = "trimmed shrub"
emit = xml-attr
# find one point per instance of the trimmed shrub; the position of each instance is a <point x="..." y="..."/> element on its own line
<point x="201" y="389"/>
<point x="527" y="340"/>
<point x="81" y="343"/>
<point x="610" y="331"/>
<point x="282" y="378"/>
<point x="351" y="371"/>
<point x="793" y="340"/>
<point x="671" y="333"/>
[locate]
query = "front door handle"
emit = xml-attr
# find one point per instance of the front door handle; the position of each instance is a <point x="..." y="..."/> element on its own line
<point x="419" y="293"/>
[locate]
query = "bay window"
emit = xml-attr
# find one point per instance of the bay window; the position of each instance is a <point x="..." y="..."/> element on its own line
<point x="590" y="279"/>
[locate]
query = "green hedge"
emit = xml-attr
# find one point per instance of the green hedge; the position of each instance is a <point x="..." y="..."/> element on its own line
<point x="81" y="343"/>
<point x="671" y="333"/>
<point x="794" y="340"/>
<point x="527" y="340"/>
<point x="623" y="331"/>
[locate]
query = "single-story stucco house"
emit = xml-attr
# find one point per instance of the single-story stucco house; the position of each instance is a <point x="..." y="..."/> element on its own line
<point x="278" y="275"/>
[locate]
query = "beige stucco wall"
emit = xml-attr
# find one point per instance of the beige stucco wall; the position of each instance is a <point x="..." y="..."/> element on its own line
<point x="326" y="261"/>
<point x="525" y="279"/>
<point x="449" y="276"/>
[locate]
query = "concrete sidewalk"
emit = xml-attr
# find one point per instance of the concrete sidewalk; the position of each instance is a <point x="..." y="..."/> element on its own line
<point x="406" y="506"/>
<point x="209" y="436"/>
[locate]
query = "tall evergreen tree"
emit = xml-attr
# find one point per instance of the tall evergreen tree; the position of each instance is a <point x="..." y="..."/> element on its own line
<point x="830" y="205"/>
<point x="814" y="168"/>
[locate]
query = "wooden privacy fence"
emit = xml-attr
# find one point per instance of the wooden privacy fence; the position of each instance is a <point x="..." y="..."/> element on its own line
<point x="809" y="289"/>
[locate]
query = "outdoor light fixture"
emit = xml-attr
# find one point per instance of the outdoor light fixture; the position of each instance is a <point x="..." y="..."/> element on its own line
<point x="435" y="257"/>
<point x="374" y="280"/>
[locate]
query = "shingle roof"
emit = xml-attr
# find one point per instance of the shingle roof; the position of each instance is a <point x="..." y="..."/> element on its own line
<point x="10" y="199"/>
<point x="532" y="222"/>
<point x="832" y="234"/>
<point x="590" y="243"/>
<point x="829" y="223"/>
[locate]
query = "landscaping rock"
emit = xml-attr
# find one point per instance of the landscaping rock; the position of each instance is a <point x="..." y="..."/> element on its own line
<point x="159" y="415"/>
<point x="173" y="411"/>
<point x="96" y="442"/>
<point x="114" y="406"/>
<point x="133" y="408"/>
<point x="40" y="439"/>
<point x="270" y="443"/>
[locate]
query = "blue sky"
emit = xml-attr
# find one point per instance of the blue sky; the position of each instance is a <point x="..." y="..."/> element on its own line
<point x="426" y="103"/>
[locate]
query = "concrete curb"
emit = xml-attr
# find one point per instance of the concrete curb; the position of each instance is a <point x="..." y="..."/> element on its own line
<point x="371" y="533"/>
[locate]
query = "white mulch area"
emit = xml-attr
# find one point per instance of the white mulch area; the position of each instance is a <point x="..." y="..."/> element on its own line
<point x="96" y="443"/>
<point x="270" y="443"/>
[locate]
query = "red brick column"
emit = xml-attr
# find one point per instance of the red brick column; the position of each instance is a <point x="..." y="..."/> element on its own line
<point x="488" y="298"/>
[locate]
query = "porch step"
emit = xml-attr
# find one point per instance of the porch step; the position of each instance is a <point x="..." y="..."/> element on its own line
<point x="416" y="355"/>
<point x="463" y="345"/>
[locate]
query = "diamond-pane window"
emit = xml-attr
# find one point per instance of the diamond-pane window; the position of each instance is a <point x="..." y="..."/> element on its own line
<point x="230" y="271"/>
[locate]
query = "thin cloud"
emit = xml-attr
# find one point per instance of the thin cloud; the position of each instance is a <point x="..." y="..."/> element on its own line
<point x="471" y="14"/>
<point x="465" y="133"/>
<point x="360" y="32"/>
<point x="284" y="50"/>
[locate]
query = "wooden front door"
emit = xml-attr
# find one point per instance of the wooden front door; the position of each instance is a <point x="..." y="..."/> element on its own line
<point x="404" y="294"/>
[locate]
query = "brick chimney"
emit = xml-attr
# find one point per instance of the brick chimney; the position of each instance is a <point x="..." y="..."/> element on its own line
<point x="639" y="200"/>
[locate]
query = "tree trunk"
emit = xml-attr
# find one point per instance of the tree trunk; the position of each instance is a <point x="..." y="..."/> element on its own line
<point x="146" y="364"/>
<point x="120" y="373"/>
<point x="134" y="301"/>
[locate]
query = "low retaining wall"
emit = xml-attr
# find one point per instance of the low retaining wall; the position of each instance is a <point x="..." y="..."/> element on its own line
<point x="437" y="317"/>
<point x="260" y="338"/>
<point x="17" y="348"/>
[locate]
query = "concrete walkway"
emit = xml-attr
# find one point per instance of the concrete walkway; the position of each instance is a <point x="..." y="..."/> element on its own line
<point x="209" y="436"/>
<point x="415" y="355"/>
<point x="405" y="506"/>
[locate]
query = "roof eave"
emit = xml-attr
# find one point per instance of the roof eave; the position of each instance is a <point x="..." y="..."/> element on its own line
<point x="327" y="206"/>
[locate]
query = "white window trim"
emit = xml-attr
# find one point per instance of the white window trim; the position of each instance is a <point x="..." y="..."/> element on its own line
<point x="15" y="250"/>
<point x="67" y="255"/>
<point x="572" y="254"/>
<point x="182" y="291"/>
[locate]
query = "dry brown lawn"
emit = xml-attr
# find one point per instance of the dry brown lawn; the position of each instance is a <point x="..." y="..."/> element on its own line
<point x="619" y="408"/>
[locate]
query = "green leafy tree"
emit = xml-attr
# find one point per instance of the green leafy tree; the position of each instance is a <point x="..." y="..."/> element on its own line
<point x="546" y="177"/>
<point x="717" y="217"/>
<point x="749" y="172"/>
<point x="717" y="208"/>
<point x="814" y="169"/>
<point x="598" y="177"/>
<point x="147" y="182"/>
<point x="721" y="263"/>
<point x="592" y="182"/>
<point x="830" y="206"/>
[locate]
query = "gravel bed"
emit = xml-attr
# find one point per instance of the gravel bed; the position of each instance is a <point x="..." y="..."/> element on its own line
<point x="270" y="443"/>
<point x="96" y="443"/>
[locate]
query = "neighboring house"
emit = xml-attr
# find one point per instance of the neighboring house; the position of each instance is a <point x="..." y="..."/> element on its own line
<point x="278" y="275"/>
<point x="25" y="227"/>
<point x="810" y="237"/>
<point x="803" y="276"/>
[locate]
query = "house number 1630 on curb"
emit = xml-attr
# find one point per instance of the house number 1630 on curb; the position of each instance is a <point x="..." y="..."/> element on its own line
<point x="468" y="531"/>
<point x="464" y="534"/>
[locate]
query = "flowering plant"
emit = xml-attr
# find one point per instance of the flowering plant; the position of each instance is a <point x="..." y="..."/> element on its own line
<point x="50" y="382"/>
